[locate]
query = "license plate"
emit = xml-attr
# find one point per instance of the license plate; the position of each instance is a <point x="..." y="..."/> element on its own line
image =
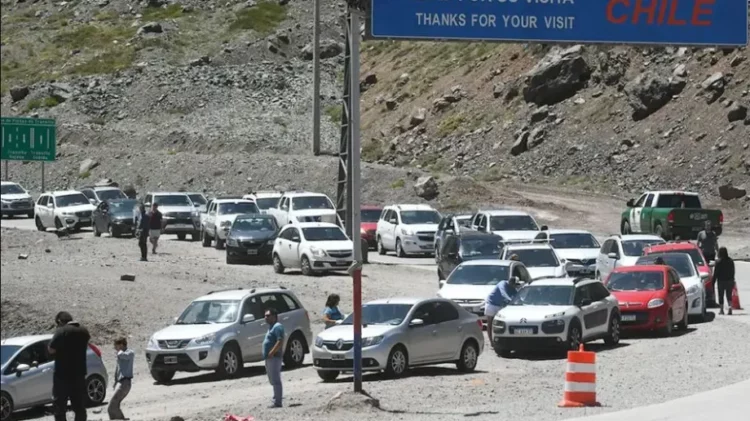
<point x="181" y="226"/>
<point x="426" y="247"/>
<point x="338" y="357"/>
<point x="341" y="262"/>
<point x="252" y="252"/>
<point x="523" y="331"/>
<point x="697" y="228"/>
<point x="170" y="360"/>
<point x="84" y="220"/>
<point x="628" y="317"/>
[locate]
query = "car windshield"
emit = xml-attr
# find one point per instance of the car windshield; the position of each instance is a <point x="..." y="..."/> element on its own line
<point x="6" y="352"/>
<point x="478" y="275"/>
<point x="254" y="224"/>
<point x="71" y="200"/>
<point x="12" y="189"/>
<point x="209" y="312"/>
<point x="636" y="281"/>
<point x="420" y="217"/>
<point x="513" y="223"/>
<point x="173" y="200"/>
<point x="696" y="256"/>
<point x="635" y="247"/>
<point x="198" y="199"/>
<point x="267" y="202"/>
<point x="536" y="258"/>
<point x="678" y="201"/>
<point x="381" y="314"/>
<point x="544" y="295"/>
<point x="110" y="194"/>
<point x="574" y="241"/>
<point x="238" y="208"/>
<point x="464" y="221"/>
<point x="472" y="247"/>
<point x="324" y="234"/>
<point x="681" y="262"/>
<point x="122" y="206"/>
<point x="370" y="215"/>
<point x="311" y="202"/>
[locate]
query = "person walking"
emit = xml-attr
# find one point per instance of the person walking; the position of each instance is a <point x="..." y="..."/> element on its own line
<point x="500" y="296"/>
<point x="143" y="230"/>
<point x="123" y="378"/>
<point x="272" y="353"/>
<point x="724" y="279"/>
<point x="708" y="242"/>
<point x="331" y="314"/>
<point x="68" y="347"/>
<point x="155" y="227"/>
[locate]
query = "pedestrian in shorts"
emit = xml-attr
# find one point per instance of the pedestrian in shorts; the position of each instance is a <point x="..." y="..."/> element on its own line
<point x="155" y="227"/>
<point x="123" y="378"/>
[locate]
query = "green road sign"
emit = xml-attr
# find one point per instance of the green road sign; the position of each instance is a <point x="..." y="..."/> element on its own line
<point x="28" y="139"/>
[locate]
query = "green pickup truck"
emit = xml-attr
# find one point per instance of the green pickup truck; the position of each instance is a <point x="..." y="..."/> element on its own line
<point x="669" y="214"/>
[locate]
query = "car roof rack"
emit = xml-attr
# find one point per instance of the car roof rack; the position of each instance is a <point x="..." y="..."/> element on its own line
<point x="224" y="290"/>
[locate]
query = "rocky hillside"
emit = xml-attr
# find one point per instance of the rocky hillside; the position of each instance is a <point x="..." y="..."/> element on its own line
<point x="215" y="95"/>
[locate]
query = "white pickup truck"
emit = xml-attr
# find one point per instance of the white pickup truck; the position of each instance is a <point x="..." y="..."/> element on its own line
<point x="301" y="206"/>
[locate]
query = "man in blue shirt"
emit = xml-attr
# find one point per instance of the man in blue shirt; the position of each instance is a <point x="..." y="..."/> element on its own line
<point x="272" y="354"/>
<point x="500" y="296"/>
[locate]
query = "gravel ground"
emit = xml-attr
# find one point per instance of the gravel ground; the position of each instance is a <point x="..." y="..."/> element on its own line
<point x="81" y="275"/>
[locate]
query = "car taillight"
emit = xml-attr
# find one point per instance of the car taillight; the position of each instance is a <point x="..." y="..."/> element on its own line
<point x="721" y="217"/>
<point x="479" y="322"/>
<point x="96" y="350"/>
<point x="307" y="315"/>
<point x="670" y="217"/>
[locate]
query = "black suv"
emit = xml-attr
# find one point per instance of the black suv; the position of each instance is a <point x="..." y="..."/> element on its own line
<point x="467" y="245"/>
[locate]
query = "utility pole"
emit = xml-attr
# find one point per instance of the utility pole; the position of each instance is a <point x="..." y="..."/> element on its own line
<point x="316" y="78"/>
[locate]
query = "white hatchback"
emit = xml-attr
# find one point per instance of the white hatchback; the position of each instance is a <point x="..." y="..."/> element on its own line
<point x="622" y="250"/>
<point x="539" y="259"/>
<point x="314" y="247"/>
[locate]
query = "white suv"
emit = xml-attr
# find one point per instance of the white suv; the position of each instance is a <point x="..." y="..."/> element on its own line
<point x="557" y="313"/>
<point x="622" y="250"/>
<point x="264" y="199"/>
<point x="223" y="330"/>
<point x="313" y="247"/>
<point x="219" y="218"/>
<point x="16" y="200"/>
<point x="407" y="229"/>
<point x="63" y="209"/>
<point x="539" y="259"/>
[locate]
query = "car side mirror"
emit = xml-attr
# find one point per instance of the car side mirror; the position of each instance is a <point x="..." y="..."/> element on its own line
<point x="416" y="323"/>
<point x="441" y="283"/>
<point x="295" y="239"/>
<point x="248" y="318"/>
<point x="704" y="276"/>
<point x="51" y="204"/>
<point x="613" y="256"/>
<point x="92" y="201"/>
<point x="676" y="287"/>
<point x="393" y="221"/>
<point x="22" y="368"/>
<point x="630" y="203"/>
<point x="585" y="302"/>
<point x="712" y="263"/>
<point x="544" y="228"/>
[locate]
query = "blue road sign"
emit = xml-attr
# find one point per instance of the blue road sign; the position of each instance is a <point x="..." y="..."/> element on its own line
<point x="673" y="22"/>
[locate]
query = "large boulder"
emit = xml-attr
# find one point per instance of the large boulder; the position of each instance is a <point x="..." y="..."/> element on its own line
<point x="736" y="112"/>
<point x="730" y="192"/>
<point x="87" y="165"/>
<point x="130" y="192"/>
<point x="647" y="93"/>
<point x="18" y="93"/>
<point x="426" y="188"/>
<point x="328" y="49"/>
<point x="559" y="75"/>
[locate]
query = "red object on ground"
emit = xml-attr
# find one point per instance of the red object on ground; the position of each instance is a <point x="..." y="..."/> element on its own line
<point x="736" y="298"/>
<point x="230" y="417"/>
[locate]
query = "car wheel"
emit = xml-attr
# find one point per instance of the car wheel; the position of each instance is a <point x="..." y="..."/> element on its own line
<point x="195" y="236"/>
<point x="398" y="362"/>
<point x="328" y="376"/>
<point x="574" y="337"/>
<point x="625" y="228"/>
<point x="162" y="377"/>
<point x="94" y="228"/>
<point x="113" y="232"/>
<point x="683" y="325"/>
<point x="218" y="243"/>
<point x="39" y="225"/>
<point x="295" y="351"/>
<point x="666" y="331"/>
<point x="206" y="239"/>
<point x="96" y="391"/>
<point x="306" y="266"/>
<point x="181" y="237"/>
<point x="6" y="407"/>
<point x="399" y="249"/>
<point x="278" y="267"/>
<point x="469" y="357"/>
<point x="381" y="250"/>
<point x="231" y="260"/>
<point x="437" y="255"/>
<point x="58" y="224"/>
<point x="230" y="362"/>
<point x="613" y="334"/>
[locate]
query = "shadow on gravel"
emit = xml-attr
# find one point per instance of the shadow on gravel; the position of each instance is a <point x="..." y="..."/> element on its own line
<point x="247" y="372"/>
<point x="33" y="413"/>
<point x="656" y="335"/>
<point x="430" y="371"/>
<point x="551" y="355"/>
<point x="710" y="317"/>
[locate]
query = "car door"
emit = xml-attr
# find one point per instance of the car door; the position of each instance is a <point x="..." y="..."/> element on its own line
<point x="393" y="222"/>
<point x="211" y="219"/>
<point x="283" y="241"/>
<point x="449" y="332"/>
<point x="635" y="214"/>
<point x="35" y="385"/>
<point x="294" y="316"/>
<point x="475" y="222"/>
<point x="440" y="235"/>
<point x="600" y="312"/>
<point x="677" y="297"/>
<point x="383" y="224"/>
<point x="583" y="294"/>
<point x="251" y="334"/>
<point x="40" y="208"/>
<point x="424" y="339"/>
<point x="449" y="256"/>
<point x="283" y="311"/>
<point x="483" y="225"/>
<point x="647" y="213"/>
<point x="605" y="264"/>
<point x="49" y="214"/>
<point x="291" y="251"/>
<point x="89" y="193"/>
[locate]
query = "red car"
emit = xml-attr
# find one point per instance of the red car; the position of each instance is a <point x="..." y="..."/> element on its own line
<point x="651" y="297"/>
<point x="697" y="255"/>
<point x="370" y="215"/>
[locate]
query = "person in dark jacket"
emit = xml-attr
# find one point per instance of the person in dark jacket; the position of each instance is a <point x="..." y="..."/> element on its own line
<point x="68" y="347"/>
<point x="724" y="279"/>
<point x="155" y="225"/>
<point x="143" y="230"/>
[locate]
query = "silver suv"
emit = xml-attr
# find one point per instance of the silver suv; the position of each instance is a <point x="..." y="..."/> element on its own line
<point x="225" y="329"/>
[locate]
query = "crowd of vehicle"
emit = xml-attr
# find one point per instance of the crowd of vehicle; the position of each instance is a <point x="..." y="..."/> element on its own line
<point x="571" y="288"/>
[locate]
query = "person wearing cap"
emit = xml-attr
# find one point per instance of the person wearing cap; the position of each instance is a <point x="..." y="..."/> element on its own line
<point x="500" y="296"/>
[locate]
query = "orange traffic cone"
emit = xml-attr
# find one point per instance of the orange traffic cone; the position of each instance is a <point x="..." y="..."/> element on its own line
<point x="580" y="380"/>
<point x="735" y="298"/>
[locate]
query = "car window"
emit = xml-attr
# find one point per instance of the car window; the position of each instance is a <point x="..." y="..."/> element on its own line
<point x="290" y="303"/>
<point x="678" y="201"/>
<point x="649" y="201"/>
<point x="324" y="234"/>
<point x="451" y="245"/>
<point x="111" y="194"/>
<point x="386" y="216"/>
<point x="598" y="291"/>
<point x="173" y="200"/>
<point x="445" y="312"/>
<point x="294" y="232"/>
<point x="680" y="262"/>
<point x="573" y="241"/>
<point x="544" y="295"/>
<point x="75" y="199"/>
<point x="513" y="223"/>
<point x="639" y="203"/>
<point x="635" y="247"/>
<point x="42" y="201"/>
<point x="197" y="198"/>
<point x="420" y="217"/>
<point x="147" y="199"/>
<point x="674" y="278"/>
<point x="88" y="193"/>
<point x="442" y="226"/>
<point x="482" y="222"/>
<point x="537" y="257"/>
<point x="12" y="189"/>
<point x="525" y="274"/>
<point x="478" y="275"/>
<point x="463" y="222"/>
<point x="36" y="353"/>
<point x="582" y="293"/>
<point x="311" y="202"/>
<point x="636" y="281"/>
<point x="488" y="246"/>
<point x="233" y="208"/>
<point x="209" y="312"/>
<point x="254" y="307"/>
<point x="697" y="257"/>
<point x="427" y="312"/>
<point x="273" y="301"/>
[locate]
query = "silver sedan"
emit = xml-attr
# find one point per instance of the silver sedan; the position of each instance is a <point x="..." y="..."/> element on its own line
<point x="27" y="370"/>
<point x="401" y="332"/>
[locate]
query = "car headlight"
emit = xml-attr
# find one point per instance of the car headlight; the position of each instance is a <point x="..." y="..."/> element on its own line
<point x="693" y="290"/>
<point x="371" y="341"/>
<point x="363" y="231"/>
<point x="68" y="213"/>
<point x="554" y="316"/>
<point x="205" y="339"/>
<point x="406" y="231"/>
<point x="152" y="343"/>
<point x="656" y="302"/>
<point x="318" y="341"/>
<point x="232" y="242"/>
<point x="317" y="252"/>
<point x="226" y="224"/>
<point x="5" y="202"/>
<point x="558" y="322"/>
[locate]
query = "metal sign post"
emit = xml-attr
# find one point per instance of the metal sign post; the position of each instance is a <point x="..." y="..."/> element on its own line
<point x="43" y="177"/>
<point x="316" y="78"/>
<point x="28" y="139"/>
